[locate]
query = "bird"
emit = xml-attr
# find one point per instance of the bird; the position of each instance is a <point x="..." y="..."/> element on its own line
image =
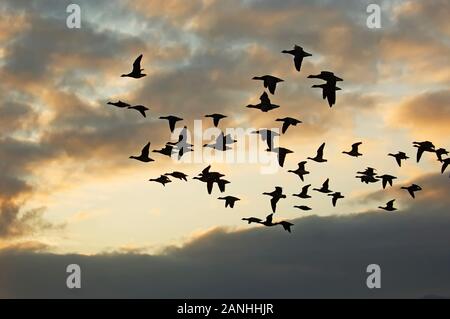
<point x="182" y="146"/>
<point x="265" y="104"/>
<point x="412" y="188"/>
<point x="336" y="196"/>
<point x="221" y="142"/>
<point x="162" y="180"/>
<point x="276" y="195"/>
<point x="216" y="118"/>
<point x="269" y="81"/>
<point x="267" y="135"/>
<point x="144" y="155"/>
<point x="303" y="207"/>
<point x="368" y="175"/>
<point x="445" y="163"/>
<point x="399" y="157"/>
<point x="328" y="92"/>
<point x="140" y="108"/>
<point x="354" y="152"/>
<point x="386" y="179"/>
<point x="167" y="150"/>
<point x="369" y="171"/>
<point x="327" y="76"/>
<point x="221" y="184"/>
<point x="287" y="121"/>
<point x="210" y="178"/>
<point x="252" y="220"/>
<point x="229" y="200"/>
<point x="298" y="54"/>
<point x="325" y="187"/>
<point x="425" y="146"/>
<point x="440" y="152"/>
<point x="300" y="171"/>
<point x="179" y="175"/>
<point x="304" y="193"/>
<point x="136" y="73"/>
<point x="172" y="120"/>
<point x="119" y="104"/>
<point x="286" y="225"/>
<point x="319" y="156"/>
<point x="281" y="153"/>
<point x="389" y="206"/>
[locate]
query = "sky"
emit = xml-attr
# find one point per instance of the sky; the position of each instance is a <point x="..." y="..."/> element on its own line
<point x="70" y="194"/>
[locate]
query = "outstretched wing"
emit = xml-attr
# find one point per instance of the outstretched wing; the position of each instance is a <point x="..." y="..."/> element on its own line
<point x="273" y="203"/>
<point x="137" y="65"/>
<point x="272" y="86"/>
<point x="320" y="151"/>
<point x="146" y="150"/>
<point x="285" y="127"/>
<point x="298" y="62"/>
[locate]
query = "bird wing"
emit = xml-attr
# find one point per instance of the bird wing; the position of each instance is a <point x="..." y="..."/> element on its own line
<point x="390" y="203"/>
<point x="298" y="62"/>
<point x="399" y="161"/>
<point x="272" y="86"/>
<point x="320" y="151"/>
<point x="142" y="111"/>
<point x="209" y="186"/>
<point x="411" y="192"/>
<point x="269" y="218"/>
<point x="420" y="151"/>
<point x="146" y="150"/>
<point x="326" y="183"/>
<point x="331" y="96"/>
<point x="137" y="64"/>
<point x="384" y="181"/>
<point x="206" y="170"/>
<point x="334" y="200"/>
<point x="281" y="158"/>
<point x="285" y="127"/>
<point x="264" y="98"/>
<point x="273" y="203"/>
<point x="355" y="147"/>
<point x="216" y="121"/>
<point x="444" y="166"/>
<point x="172" y="124"/>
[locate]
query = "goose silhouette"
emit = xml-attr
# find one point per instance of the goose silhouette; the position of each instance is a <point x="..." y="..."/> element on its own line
<point x="422" y="147"/>
<point x="119" y="103"/>
<point x="265" y="105"/>
<point x="178" y="175"/>
<point x="216" y="118"/>
<point x="303" y="207"/>
<point x="298" y="54"/>
<point x="136" y="73"/>
<point x="441" y="152"/>
<point x="300" y="171"/>
<point x="276" y="195"/>
<point x="386" y="179"/>
<point x="140" y="108"/>
<point x="281" y="153"/>
<point x="399" y="157"/>
<point x="336" y="196"/>
<point x="172" y="120"/>
<point x="389" y="206"/>
<point x="354" y="151"/>
<point x="319" y="156"/>
<point x="304" y="193"/>
<point x="163" y="180"/>
<point x="445" y="163"/>
<point x="167" y="150"/>
<point x="144" y="154"/>
<point x="412" y="189"/>
<point x="267" y="136"/>
<point x="325" y="187"/>
<point x="328" y="92"/>
<point x="269" y="82"/>
<point x="287" y="121"/>
<point x="286" y="225"/>
<point x="229" y="200"/>
<point x="252" y="220"/>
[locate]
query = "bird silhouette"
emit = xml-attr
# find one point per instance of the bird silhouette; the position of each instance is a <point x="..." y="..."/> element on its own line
<point x="389" y="206"/>
<point x="281" y="153"/>
<point x="298" y="54"/>
<point x="252" y="220"/>
<point x="268" y="221"/>
<point x="368" y="175"/>
<point x="445" y="163"/>
<point x="425" y="146"/>
<point x="136" y="73"/>
<point x="163" y="180"/>
<point x="304" y="193"/>
<point x="441" y="152"/>
<point x="269" y="81"/>
<point x="369" y="171"/>
<point x="178" y="175"/>
<point x="386" y="179"/>
<point x="210" y="178"/>
<point x="325" y="187"/>
<point x="329" y="88"/>
<point x="267" y="135"/>
<point x="182" y="146"/>
<point x="265" y="104"/>
<point x="276" y="195"/>
<point x="172" y="120"/>
<point x="319" y="156"/>
<point x="221" y="142"/>
<point x="300" y="171"/>
<point x="399" y="157"/>
<point x="336" y="196"/>
<point x="140" y="108"/>
<point x="286" y="225"/>
<point x="144" y="154"/>
<point x="216" y="118"/>
<point x="287" y="121"/>
<point x="229" y="200"/>
<point x="354" y="152"/>
<point x="412" y="188"/>
<point x="327" y="76"/>
<point x="119" y="104"/>
<point x="303" y="207"/>
<point x="168" y="150"/>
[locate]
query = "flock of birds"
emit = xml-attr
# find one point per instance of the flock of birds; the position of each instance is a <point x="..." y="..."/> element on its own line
<point x="329" y="88"/>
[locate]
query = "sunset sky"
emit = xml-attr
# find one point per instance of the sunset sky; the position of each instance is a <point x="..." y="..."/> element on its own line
<point x="69" y="192"/>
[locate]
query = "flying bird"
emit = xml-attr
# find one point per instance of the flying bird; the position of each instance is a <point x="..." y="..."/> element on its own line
<point x="386" y="179"/>
<point x="389" y="206"/>
<point x="172" y="120"/>
<point x="399" y="157"/>
<point x="144" y="155"/>
<point x="167" y="150"/>
<point x="287" y="121"/>
<point x="137" y="71"/>
<point x="229" y="200"/>
<point x="269" y="81"/>
<point x="411" y="189"/>
<point x="304" y="193"/>
<point x="163" y="180"/>
<point x="216" y="118"/>
<point x="119" y="104"/>
<point x="140" y="108"/>
<point x="329" y="88"/>
<point x="336" y="196"/>
<point x="178" y="175"/>
<point x="281" y="153"/>
<point x="445" y="163"/>
<point x="298" y="54"/>
<point x="265" y="104"/>
<point x="276" y="195"/>
<point x="303" y="207"/>
<point x="319" y="156"/>
<point x="300" y="171"/>
<point x="221" y="142"/>
<point x="325" y="187"/>
<point x="440" y="152"/>
<point x="354" y="152"/>
<point x="425" y="146"/>
<point x="252" y="220"/>
<point x="267" y="135"/>
<point x="286" y="225"/>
